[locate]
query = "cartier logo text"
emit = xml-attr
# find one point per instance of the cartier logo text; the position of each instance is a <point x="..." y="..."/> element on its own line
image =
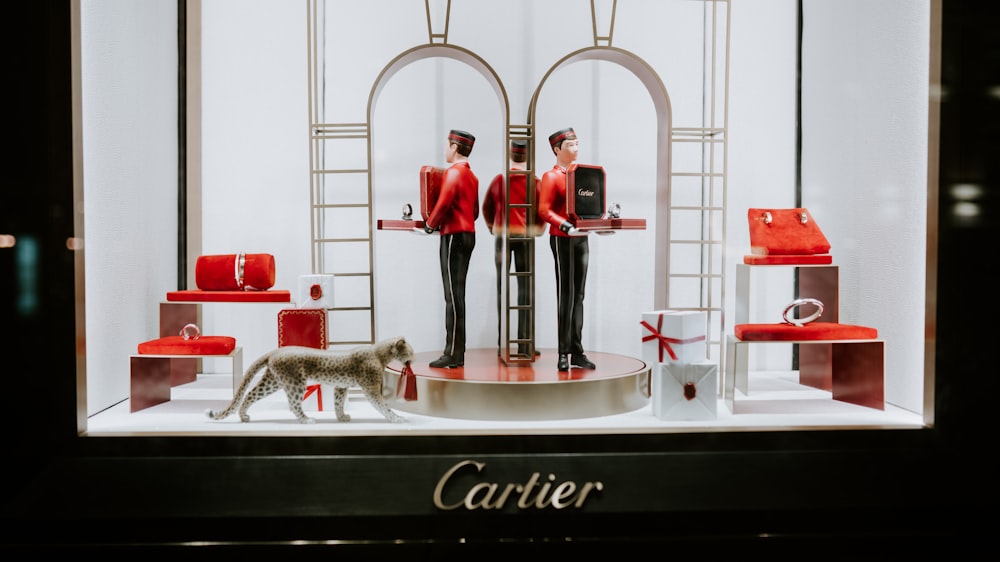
<point x="536" y="492"/>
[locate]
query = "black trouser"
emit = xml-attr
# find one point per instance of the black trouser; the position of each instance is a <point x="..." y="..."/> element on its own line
<point x="519" y="255"/>
<point x="455" y="253"/>
<point x="571" y="255"/>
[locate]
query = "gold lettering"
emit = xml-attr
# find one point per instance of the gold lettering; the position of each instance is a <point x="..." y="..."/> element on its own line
<point x="470" y="502"/>
<point x="525" y="502"/>
<point x="531" y="494"/>
<point x="586" y="489"/>
<point x="562" y="492"/>
<point x="439" y="489"/>
<point x="540" y="501"/>
<point x="506" y="494"/>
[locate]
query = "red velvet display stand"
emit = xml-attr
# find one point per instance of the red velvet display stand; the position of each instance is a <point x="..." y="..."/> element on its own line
<point x="305" y="327"/>
<point x="195" y="295"/>
<point x="184" y="307"/>
<point x="152" y="369"/>
<point x="855" y="364"/>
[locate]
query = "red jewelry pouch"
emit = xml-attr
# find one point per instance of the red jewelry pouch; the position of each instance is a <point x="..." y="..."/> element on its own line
<point x="785" y="232"/>
<point x="234" y="272"/>
<point x="430" y="189"/>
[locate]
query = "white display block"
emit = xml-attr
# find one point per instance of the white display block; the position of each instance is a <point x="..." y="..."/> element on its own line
<point x="315" y="291"/>
<point x="685" y="391"/>
<point x="681" y="332"/>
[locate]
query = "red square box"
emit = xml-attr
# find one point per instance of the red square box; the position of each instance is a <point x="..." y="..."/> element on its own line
<point x="302" y="326"/>
<point x="430" y="189"/>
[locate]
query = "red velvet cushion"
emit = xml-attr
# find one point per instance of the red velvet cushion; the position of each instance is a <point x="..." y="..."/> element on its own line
<point x="810" y="331"/>
<point x="221" y="272"/>
<point x="177" y="345"/>
<point x="192" y="295"/>
<point x="789" y="259"/>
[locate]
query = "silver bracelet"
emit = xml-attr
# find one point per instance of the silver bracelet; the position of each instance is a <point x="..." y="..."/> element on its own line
<point x="802" y="321"/>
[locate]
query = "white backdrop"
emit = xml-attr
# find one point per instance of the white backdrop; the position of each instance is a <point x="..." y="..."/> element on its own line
<point x="863" y="156"/>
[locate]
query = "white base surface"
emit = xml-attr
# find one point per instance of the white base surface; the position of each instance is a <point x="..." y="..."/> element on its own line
<point x="776" y="402"/>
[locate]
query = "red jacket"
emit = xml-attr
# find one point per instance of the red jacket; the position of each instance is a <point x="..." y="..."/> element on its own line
<point x="457" y="206"/>
<point x="552" y="200"/>
<point x="493" y="203"/>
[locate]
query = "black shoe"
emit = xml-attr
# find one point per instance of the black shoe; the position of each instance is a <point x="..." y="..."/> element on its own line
<point x="580" y="360"/>
<point x="447" y="362"/>
<point x="563" y="364"/>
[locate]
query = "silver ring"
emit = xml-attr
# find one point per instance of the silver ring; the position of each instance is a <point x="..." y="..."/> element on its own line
<point x="190" y="332"/>
<point x="407" y="212"/>
<point x="802" y="321"/>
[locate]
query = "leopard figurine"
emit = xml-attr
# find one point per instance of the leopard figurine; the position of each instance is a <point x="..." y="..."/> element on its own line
<point x="290" y="368"/>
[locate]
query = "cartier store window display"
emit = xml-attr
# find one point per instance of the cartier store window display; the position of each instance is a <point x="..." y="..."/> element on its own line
<point x="666" y="234"/>
<point x="754" y="217"/>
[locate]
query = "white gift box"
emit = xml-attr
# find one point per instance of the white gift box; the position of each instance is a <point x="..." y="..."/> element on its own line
<point x="673" y="336"/>
<point x="315" y="291"/>
<point x="685" y="391"/>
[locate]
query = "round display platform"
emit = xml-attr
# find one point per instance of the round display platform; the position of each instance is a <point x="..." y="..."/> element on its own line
<point x="487" y="388"/>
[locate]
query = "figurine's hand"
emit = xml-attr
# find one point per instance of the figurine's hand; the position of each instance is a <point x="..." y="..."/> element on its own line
<point x="428" y="229"/>
<point x="571" y="230"/>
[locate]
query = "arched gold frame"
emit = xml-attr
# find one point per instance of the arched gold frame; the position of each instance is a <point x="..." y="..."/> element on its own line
<point x="713" y="139"/>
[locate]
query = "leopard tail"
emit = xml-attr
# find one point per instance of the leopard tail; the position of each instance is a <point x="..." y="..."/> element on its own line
<point x="248" y="376"/>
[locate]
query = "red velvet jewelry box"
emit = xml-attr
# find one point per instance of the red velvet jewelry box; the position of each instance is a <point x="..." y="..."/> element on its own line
<point x="430" y="189"/>
<point x="302" y="326"/>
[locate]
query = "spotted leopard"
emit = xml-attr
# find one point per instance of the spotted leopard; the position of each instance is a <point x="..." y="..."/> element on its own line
<point x="290" y="368"/>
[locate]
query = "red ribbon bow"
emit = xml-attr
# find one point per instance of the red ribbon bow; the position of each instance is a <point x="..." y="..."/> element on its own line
<point x="310" y="389"/>
<point x="664" y="340"/>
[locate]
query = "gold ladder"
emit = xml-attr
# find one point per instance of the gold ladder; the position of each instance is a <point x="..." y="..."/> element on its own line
<point x="510" y="306"/>
<point x="341" y="218"/>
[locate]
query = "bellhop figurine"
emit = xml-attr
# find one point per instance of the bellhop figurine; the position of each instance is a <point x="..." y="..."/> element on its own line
<point x="494" y="205"/>
<point x="570" y="252"/>
<point x="454" y="215"/>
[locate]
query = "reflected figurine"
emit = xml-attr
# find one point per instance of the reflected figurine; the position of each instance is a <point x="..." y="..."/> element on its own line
<point x="570" y="252"/>
<point x="493" y="214"/>
<point x="454" y="215"/>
